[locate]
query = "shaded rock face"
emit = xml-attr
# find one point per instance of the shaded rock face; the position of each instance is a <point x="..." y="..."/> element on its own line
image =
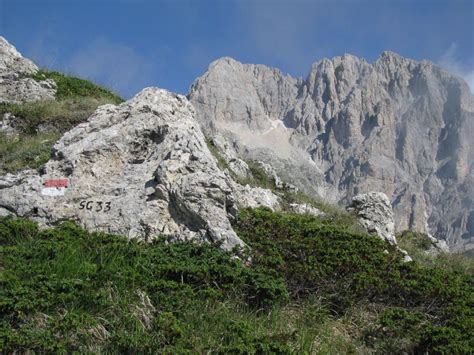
<point x="140" y="169"/>
<point x="374" y="212"/>
<point x="397" y="126"/>
<point x="15" y="85"/>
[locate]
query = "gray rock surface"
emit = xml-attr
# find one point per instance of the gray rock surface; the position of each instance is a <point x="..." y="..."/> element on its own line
<point x="236" y="165"/>
<point x="399" y="126"/>
<point x="304" y="208"/>
<point x="437" y="246"/>
<point x="249" y="196"/>
<point x="374" y="213"/>
<point x="15" y="85"/>
<point x="140" y="169"/>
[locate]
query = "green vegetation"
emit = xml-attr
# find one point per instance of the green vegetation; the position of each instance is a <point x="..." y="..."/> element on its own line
<point x="41" y="121"/>
<point x="259" y="177"/>
<point x="418" y="244"/>
<point x="311" y="287"/>
<point x="221" y="163"/>
<point x="25" y="151"/>
<point x="69" y="87"/>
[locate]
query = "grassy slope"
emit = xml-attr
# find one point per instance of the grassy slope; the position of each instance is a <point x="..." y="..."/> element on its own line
<point x="312" y="287"/>
<point x="76" y="100"/>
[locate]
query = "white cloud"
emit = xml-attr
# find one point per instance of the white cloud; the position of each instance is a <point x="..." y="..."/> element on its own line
<point x="450" y="61"/>
<point x="117" y="66"/>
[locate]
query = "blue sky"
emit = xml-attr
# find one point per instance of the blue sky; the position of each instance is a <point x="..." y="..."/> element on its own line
<point x="131" y="44"/>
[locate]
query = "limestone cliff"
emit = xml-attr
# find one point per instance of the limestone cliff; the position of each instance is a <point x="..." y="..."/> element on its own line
<point x="396" y="126"/>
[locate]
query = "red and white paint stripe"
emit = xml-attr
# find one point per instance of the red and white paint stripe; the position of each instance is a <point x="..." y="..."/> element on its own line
<point x="55" y="187"/>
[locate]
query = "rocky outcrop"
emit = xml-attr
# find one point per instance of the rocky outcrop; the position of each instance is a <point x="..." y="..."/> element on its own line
<point x="397" y="126"/>
<point x="237" y="166"/>
<point x="140" y="169"/>
<point x="437" y="246"/>
<point x="375" y="215"/>
<point x="16" y="85"/>
<point x="252" y="197"/>
<point x="304" y="208"/>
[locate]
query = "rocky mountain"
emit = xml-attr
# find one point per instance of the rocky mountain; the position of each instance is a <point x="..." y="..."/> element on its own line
<point x="16" y="84"/>
<point x="145" y="168"/>
<point x="396" y="126"/>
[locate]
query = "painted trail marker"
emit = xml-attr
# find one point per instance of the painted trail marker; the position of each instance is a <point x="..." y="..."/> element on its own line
<point x="55" y="187"/>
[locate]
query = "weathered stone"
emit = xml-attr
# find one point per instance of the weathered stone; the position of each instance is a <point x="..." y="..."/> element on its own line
<point x="236" y="165"/>
<point x="374" y="212"/>
<point x="140" y="169"/>
<point x="8" y="125"/>
<point x="305" y="209"/>
<point x="15" y="85"/>
<point x="248" y="196"/>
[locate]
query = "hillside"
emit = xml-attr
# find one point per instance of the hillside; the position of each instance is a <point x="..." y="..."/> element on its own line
<point x="312" y="287"/>
<point x="132" y="227"/>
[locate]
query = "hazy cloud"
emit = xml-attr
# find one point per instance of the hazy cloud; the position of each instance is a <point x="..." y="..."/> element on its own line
<point x="450" y="61"/>
<point x="117" y="66"/>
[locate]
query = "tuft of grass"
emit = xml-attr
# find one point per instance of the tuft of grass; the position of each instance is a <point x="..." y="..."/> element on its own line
<point x="418" y="244"/>
<point x="333" y="213"/>
<point x="16" y="153"/>
<point x="258" y="177"/>
<point x="70" y="87"/>
<point x="51" y="115"/>
<point x="41" y="123"/>
<point x="221" y="162"/>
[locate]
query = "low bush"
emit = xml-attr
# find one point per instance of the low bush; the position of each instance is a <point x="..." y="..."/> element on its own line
<point x="346" y="269"/>
<point x="63" y="289"/>
<point x="312" y="286"/>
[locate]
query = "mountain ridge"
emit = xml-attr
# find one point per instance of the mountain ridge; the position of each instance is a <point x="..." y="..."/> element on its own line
<point x="421" y="114"/>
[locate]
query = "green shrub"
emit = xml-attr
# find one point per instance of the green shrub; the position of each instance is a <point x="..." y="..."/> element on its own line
<point x="314" y="255"/>
<point x="312" y="286"/>
<point x="25" y="151"/>
<point x="347" y="269"/>
<point x="65" y="289"/>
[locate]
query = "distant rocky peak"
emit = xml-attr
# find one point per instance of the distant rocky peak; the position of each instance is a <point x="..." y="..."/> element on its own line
<point x="397" y="126"/>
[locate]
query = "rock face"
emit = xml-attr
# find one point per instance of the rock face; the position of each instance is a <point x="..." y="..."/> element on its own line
<point x="375" y="214"/>
<point x="140" y="169"/>
<point x="304" y="208"/>
<point x="15" y="85"/>
<point x="247" y="196"/>
<point x="397" y="126"/>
